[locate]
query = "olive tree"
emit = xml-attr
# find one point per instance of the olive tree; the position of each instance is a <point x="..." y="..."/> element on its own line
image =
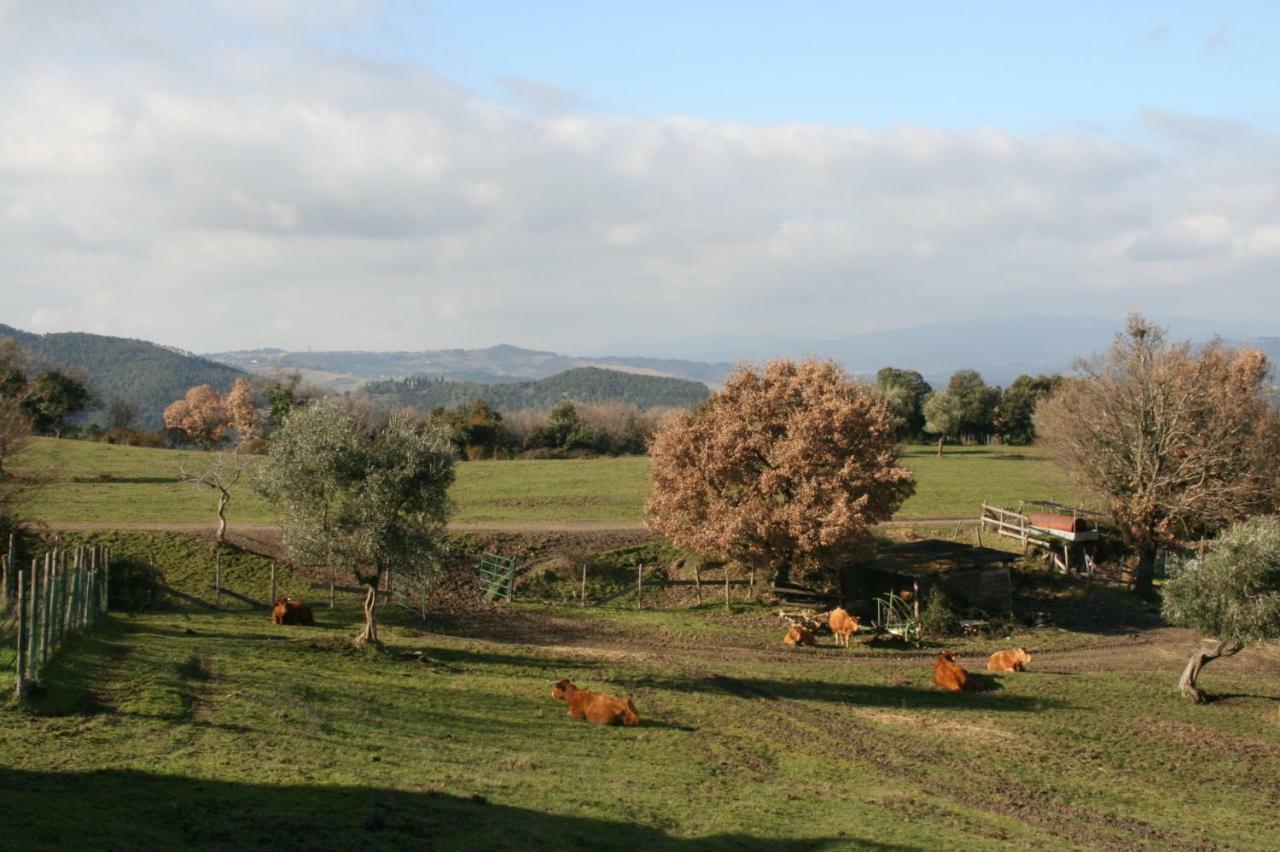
<point x="786" y="467"/>
<point x="1230" y="594"/>
<point x="1176" y="441"/>
<point x="366" y="497"/>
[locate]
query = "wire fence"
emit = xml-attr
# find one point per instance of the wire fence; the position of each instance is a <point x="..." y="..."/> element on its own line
<point x="63" y="594"/>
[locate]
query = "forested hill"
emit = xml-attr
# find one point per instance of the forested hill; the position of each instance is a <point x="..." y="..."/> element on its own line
<point x="585" y="384"/>
<point x="151" y="376"/>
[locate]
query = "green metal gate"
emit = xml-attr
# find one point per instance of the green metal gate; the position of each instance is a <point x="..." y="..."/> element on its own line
<point x="497" y="575"/>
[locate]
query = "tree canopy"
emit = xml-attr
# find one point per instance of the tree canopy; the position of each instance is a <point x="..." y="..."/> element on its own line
<point x="905" y="391"/>
<point x="1177" y="441"/>
<point x="363" y="497"/>
<point x="787" y="467"/>
<point x="1231" y="593"/>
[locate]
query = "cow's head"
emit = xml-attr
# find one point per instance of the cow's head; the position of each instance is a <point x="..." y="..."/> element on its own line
<point x="560" y="687"/>
<point x="1021" y="655"/>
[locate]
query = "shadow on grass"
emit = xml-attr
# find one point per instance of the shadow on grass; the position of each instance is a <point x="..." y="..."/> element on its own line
<point x="984" y="697"/>
<point x="120" y="809"/>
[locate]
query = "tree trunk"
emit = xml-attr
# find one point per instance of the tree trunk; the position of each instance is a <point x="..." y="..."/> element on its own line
<point x="1201" y="658"/>
<point x="223" y="499"/>
<point x="1145" y="575"/>
<point x="369" y="635"/>
<point x="782" y="577"/>
<point x="940" y="440"/>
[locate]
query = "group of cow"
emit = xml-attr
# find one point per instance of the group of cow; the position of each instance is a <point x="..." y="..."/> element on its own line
<point x="950" y="676"/>
<point x="947" y="674"/>
<point x="612" y="710"/>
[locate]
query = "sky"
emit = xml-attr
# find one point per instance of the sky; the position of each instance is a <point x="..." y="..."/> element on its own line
<point x="381" y="175"/>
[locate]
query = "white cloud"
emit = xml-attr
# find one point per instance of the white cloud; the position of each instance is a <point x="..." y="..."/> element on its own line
<point x="281" y="195"/>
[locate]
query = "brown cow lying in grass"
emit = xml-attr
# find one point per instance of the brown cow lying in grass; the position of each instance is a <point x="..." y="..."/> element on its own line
<point x="291" y="611"/>
<point x="948" y="675"/>
<point x="594" y="706"/>
<point x="843" y="625"/>
<point x="798" y="635"/>
<point x="1009" y="661"/>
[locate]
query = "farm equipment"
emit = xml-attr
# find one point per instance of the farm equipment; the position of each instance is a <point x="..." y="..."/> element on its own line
<point x="896" y="617"/>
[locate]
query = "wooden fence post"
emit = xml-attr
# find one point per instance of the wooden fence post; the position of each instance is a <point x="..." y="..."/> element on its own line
<point x="6" y="574"/>
<point x="583" y="598"/>
<point x="697" y="578"/>
<point x="727" y="608"/>
<point x="333" y="576"/>
<point x="46" y="612"/>
<point x="639" y="584"/>
<point x="751" y="585"/>
<point x="217" y="578"/>
<point x="19" y="686"/>
<point x="272" y="599"/>
<point x="106" y="580"/>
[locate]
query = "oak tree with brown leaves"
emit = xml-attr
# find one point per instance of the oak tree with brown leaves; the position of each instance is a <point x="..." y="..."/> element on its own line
<point x="242" y="413"/>
<point x="1176" y="441"/>
<point x="785" y="469"/>
<point x="200" y="416"/>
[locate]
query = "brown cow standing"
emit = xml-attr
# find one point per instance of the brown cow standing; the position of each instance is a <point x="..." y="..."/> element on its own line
<point x="291" y="611"/>
<point x="798" y="635"/>
<point x="595" y="706"/>
<point x="1009" y="661"/>
<point x="948" y="675"/>
<point x="843" y="625"/>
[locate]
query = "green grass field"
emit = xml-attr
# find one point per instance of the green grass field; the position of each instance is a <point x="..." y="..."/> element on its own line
<point x="221" y="730"/>
<point x="91" y="482"/>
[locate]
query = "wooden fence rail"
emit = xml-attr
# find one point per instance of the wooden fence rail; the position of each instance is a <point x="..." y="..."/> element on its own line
<point x="57" y="597"/>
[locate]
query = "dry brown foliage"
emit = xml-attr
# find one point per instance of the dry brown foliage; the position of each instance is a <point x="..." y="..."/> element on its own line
<point x="242" y="414"/>
<point x="787" y="467"/>
<point x="1175" y="441"/>
<point x="200" y="415"/>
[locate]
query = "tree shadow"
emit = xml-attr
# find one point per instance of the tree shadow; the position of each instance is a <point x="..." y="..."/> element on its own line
<point x="984" y="697"/>
<point x="124" y="809"/>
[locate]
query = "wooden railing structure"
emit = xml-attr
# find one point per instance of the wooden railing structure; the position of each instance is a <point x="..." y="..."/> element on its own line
<point x="1067" y="551"/>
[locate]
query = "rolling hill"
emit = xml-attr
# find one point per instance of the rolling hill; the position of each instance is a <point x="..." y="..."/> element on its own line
<point x="491" y="365"/>
<point x="151" y="376"/>
<point x="583" y="384"/>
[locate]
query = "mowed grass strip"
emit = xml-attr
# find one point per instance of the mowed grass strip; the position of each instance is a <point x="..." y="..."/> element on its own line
<point x="220" y="729"/>
<point x="100" y="483"/>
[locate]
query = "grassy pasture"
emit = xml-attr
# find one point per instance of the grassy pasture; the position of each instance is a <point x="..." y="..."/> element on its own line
<point x="88" y="482"/>
<point x="184" y="730"/>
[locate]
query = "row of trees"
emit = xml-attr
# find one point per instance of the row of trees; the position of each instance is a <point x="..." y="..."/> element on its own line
<point x="478" y="431"/>
<point x="241" y="418"/>
<point x="968" y="410"/>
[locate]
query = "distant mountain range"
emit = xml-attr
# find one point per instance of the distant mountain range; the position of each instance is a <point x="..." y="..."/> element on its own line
<point x="493" y="365"/>
<point x="1000" y="349"/>
<point x="151" y="376"/>
<point x="583" y="384"/>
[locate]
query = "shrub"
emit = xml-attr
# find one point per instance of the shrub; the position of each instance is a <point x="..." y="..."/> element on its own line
<point x="135" y="585"/>
<point x="938" y="619"/>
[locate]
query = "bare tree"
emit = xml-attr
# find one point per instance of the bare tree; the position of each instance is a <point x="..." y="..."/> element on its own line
<point x="221" y="475"/>
<point x="1176" y="441"/>
<point x="788" y="466"/>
